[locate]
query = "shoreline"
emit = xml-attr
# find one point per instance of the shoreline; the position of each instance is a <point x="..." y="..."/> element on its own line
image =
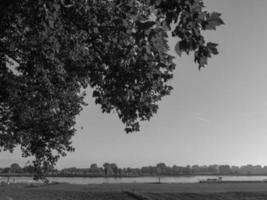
<point x="135" y="191"/>
<point x="162" y="176"/>
<point x="147" y="187"/>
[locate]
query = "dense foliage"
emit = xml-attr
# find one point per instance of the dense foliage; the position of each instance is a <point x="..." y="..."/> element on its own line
<point x="50" y="50"/>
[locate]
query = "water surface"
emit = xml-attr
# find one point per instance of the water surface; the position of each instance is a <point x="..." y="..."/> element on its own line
<point x="101" y="180"/>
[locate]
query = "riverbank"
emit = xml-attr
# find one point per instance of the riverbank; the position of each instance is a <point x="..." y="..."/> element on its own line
<point x="127" y="176"/>
<point x="118" y="180"/>
<point x="194" y="191"/>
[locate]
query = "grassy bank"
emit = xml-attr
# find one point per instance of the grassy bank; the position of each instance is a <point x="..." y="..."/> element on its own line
<point x="225" y="191"/>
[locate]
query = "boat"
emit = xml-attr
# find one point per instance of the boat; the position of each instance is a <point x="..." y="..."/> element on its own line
<point x="211" y="180"/>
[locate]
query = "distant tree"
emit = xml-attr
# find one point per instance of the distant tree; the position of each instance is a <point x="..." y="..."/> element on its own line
<point x="235" y="170"/>
<point x="176" y="170"/>
<point x="108" y="169"/>
<point x="161" y="168"/>
<point x="213" y="169"/>
<point x="93" y="168"/>
<point x="225" y="169"/>
<point x="28" y="169"/>
<point x="15" y="168"/>
<point x="51" y="50"/>
<point x="196" y="169"/>
<point x="187" y="170"/>
<point x="149" y="170"/>
<point x="6" y="170"/>
<point x="114" y="168"/>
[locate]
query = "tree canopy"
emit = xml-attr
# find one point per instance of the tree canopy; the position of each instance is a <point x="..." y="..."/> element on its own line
<point x="51" y="50"/>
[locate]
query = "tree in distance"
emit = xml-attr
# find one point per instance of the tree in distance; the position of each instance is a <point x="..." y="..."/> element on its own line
<point x="117" y="47"/>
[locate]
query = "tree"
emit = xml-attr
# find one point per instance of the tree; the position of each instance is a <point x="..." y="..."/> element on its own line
<point x="108" y="169"/>
<point x="224" y="169"/>
<point x="161" y="168"/>
<point x="15" y="168"/>
<point x="117" y="47"/>
<point x="94" y="169"/>
<point x="114" y="168"/>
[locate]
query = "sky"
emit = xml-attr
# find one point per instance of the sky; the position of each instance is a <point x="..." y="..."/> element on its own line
<point x="214" y="116"/>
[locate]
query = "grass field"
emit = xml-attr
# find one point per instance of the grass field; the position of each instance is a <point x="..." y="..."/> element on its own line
<point x="211" y="191"/>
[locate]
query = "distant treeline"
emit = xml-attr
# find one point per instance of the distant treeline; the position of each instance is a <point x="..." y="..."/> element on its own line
<point x="161" y="169"/>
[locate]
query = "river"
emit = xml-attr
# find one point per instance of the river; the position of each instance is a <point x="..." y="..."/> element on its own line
<point x="101" y="180"/>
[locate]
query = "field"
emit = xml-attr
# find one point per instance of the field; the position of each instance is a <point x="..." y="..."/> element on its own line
<point x="211" y="191"/>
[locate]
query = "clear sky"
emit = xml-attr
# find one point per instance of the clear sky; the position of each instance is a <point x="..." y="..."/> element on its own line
<point x="214" y="116"/>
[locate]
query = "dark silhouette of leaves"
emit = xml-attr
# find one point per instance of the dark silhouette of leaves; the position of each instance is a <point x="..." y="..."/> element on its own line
<point x="59" y="47"/>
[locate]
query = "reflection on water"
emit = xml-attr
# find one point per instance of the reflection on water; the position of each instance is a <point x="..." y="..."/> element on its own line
<point x="100" y="180"/>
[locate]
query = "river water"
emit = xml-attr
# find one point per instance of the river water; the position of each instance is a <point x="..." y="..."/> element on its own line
<point x="101" y="180"/>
